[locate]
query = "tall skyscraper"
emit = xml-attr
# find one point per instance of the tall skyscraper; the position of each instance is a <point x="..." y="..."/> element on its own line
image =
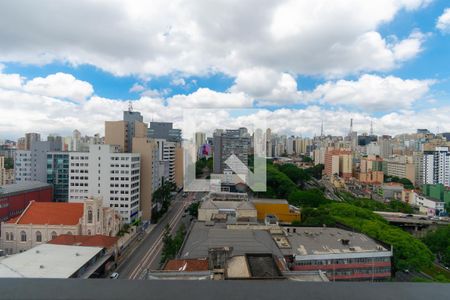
<point x="230" y="142"/>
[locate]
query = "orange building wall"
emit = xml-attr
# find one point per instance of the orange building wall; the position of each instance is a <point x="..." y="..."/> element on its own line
<point x="280" y="210"/>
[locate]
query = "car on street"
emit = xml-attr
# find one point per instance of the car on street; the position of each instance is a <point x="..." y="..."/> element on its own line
<point x="114" y="275"/>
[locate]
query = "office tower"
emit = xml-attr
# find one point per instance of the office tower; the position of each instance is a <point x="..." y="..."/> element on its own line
<point x="121" y="133"/>
<point x="58" y="175"/>
<point x="227" y="143"/>
<point x="106" y="172"/>
<point x="436" y="166"/>
<point x="30" y="138"/>
<point x="164" y="130"/>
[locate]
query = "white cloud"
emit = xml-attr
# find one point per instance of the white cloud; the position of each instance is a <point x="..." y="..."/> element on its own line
<point x="10" y="81"/>
<point x="196" y="37"/>
<point x="206" y="98"/>
<point x="267" y="86"/>
<point x="408" y="48"/>
<point x="136" y="88"/>
<point x="60" y="85"/>
<point x="178" y="81"/>
<point x="372" y="92"/>
<point x="443" y="22"/>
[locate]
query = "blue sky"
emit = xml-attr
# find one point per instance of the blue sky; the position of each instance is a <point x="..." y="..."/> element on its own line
<point x="371" y="61"/>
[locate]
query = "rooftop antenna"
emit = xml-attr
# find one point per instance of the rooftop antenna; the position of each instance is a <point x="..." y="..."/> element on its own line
<point x="371" y="127"/>
<point x="130" y="106"/>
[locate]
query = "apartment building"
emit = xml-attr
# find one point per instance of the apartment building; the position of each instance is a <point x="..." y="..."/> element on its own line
<point x="340" y="162"/>
<point x="22" y="165"/>
<point x="401" y="167"/>
<point x="107" y="173"/>
<point x="121" y="133"/>
<point x="436" y="166"/>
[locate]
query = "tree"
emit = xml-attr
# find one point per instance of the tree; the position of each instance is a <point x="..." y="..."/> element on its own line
<point x="316" y="171"/>
<point x="193" y="209"/>
<point x="309" y="198"/>
<point x="439" y="243"/>
<point x="171" y="245"/>
<point x="9" y="163"/>
<point x="297" y="175"/>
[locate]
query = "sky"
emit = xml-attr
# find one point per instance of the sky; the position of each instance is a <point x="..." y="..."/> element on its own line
<point x="69" y="65"/>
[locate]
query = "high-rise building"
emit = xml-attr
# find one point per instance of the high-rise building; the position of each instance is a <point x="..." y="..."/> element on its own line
<point x="121" y="133"/>
<point x="58" y="175"/>
<point x="30" y="138"/>
<point x="200" y="139"/>
<point x="401" y="167"/>
<point x="39" y="151"/>
<point x="227" y="143"/>
<point x="164" y="130"/>
<point x="22" y="165"/>
<point x="339" y="162"/>
<point x="150" y="174"/>
<point x="436" y="166"/>
<point x="106" y="172"/>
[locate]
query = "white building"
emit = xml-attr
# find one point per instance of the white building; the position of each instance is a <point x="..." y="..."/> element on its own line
<point x="431" y="207"/>
<point x="22" y="165"/>
<point x="436" y="166"/>
<point x="109" y="174"/>
<point x="53" y="261"/>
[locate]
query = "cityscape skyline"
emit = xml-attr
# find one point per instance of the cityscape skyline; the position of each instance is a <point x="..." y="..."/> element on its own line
<point x="382" y="68"/>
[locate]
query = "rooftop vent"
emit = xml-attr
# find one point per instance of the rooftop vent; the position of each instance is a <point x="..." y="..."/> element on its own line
<point x="37" y="251"/>
<point x="41" y="266"/>
<point x="351" y="248"/>
<point x="77" y="254"/>
<point x="345" y="241"/>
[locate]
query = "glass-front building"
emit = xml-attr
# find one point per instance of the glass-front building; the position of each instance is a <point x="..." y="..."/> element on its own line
<point x="58" y="175"/>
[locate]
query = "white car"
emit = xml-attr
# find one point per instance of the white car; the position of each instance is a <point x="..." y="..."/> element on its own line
<point x="114" y="275"/>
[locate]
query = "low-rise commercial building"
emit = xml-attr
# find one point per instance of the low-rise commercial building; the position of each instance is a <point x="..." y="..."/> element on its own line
<point x="223" y="205"/>
<point x="342" y="254"/>
<point x="279" y="208"/>
<point x="54" y="261"/>
<point x="14" y="198"/>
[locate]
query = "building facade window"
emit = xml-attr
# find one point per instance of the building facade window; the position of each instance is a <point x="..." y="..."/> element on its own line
<point x="23" y="236"/>
<point x="38" y="236"/>
<point x="54" y="235"/>
<point x="89" y="215"/>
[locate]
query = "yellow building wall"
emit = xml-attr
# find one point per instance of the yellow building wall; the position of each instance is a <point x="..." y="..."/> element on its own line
<point x="281" y="211"/>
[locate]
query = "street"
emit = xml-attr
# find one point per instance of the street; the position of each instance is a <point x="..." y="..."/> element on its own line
<point x="146" y="255"/>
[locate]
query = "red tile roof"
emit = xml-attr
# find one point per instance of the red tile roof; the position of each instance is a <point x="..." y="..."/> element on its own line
<point x="51" y="213"/>
<point x="187" y="265"/>
<point x="85" y="240"/>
